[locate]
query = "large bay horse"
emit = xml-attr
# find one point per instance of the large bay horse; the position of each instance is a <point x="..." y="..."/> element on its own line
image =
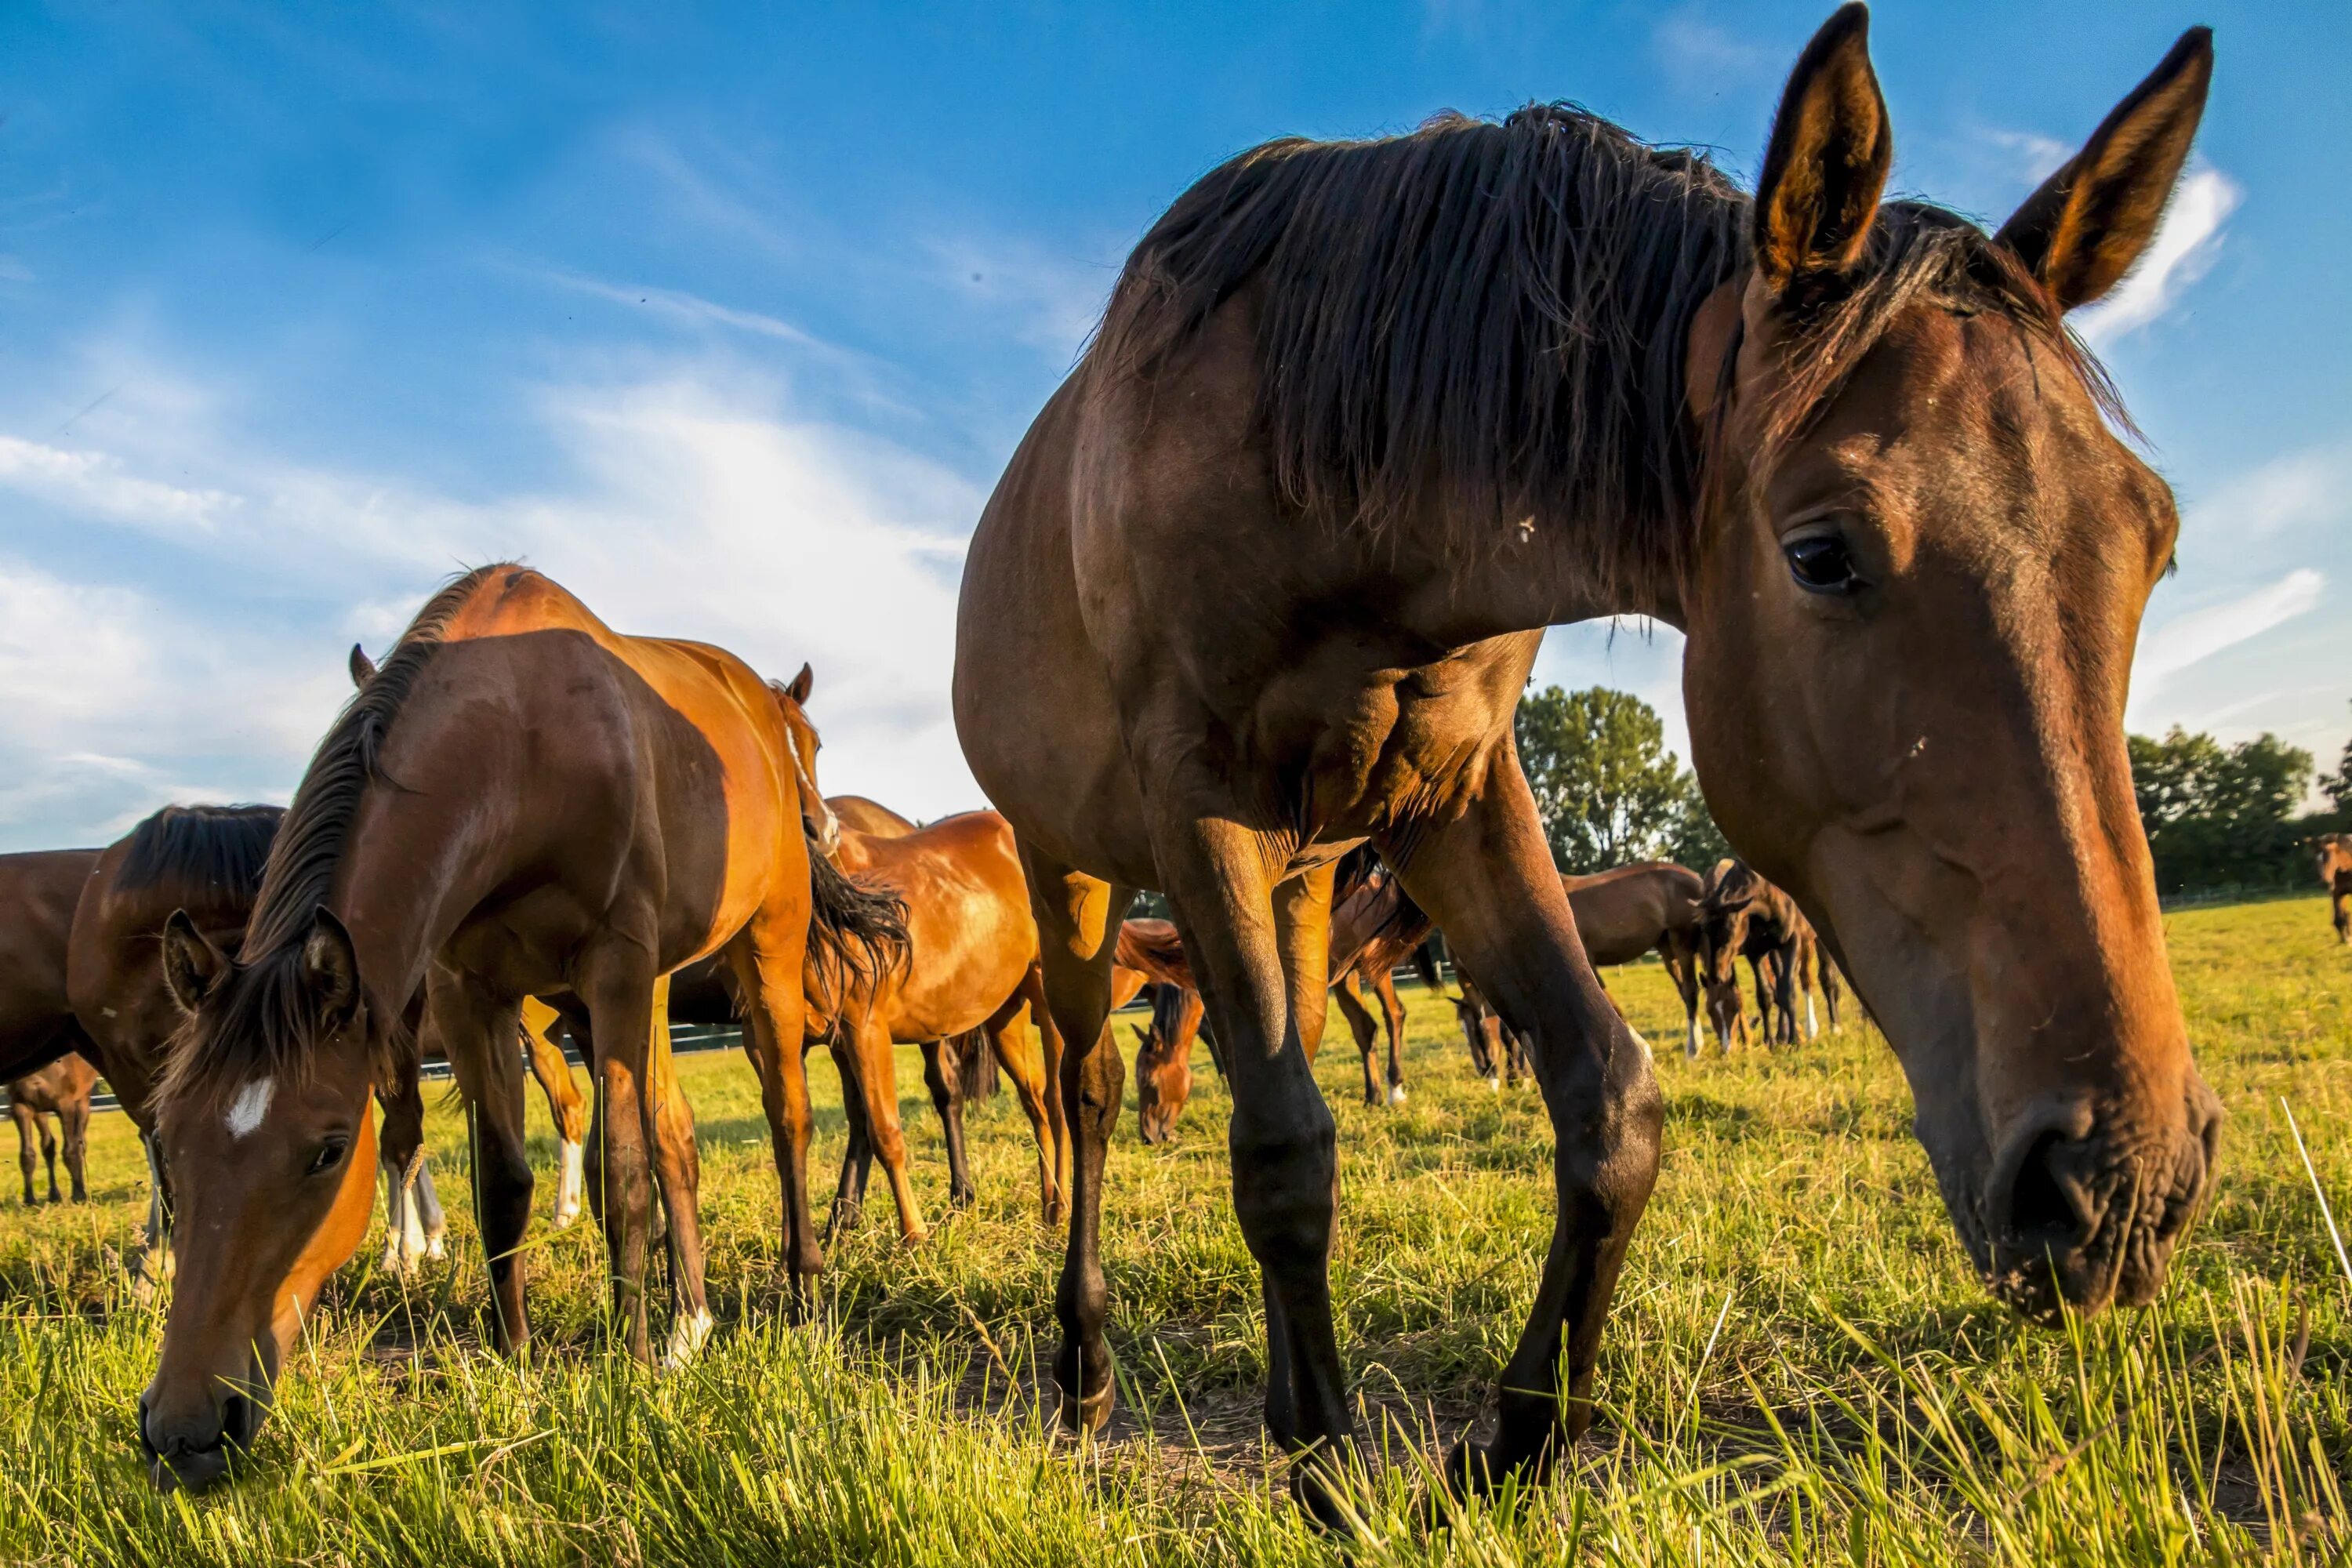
<point x="1266" y="578"/>
<point x="59" y="1092"/>
<point x="2334" y="852"/>
<point x="520" y="802"/>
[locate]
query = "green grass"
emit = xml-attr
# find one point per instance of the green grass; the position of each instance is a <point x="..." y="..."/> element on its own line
<point x="1801" y="1366"/>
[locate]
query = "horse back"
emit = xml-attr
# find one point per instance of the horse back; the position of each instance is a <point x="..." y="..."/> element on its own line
<point x="39" y="891"/>
<point x="970" y="935"/>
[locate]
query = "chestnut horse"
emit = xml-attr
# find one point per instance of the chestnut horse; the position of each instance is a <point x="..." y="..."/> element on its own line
<point x="1266" y="576"/>
<point x="2335" y="855"/>
<point x="59" y="1092"/>
<point x="520" y="802"/>
<point x="1149" y="953"/>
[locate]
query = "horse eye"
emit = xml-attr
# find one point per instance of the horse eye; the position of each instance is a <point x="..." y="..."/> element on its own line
<point x="1820" y="563"/>
<point x="329" y="1156"/>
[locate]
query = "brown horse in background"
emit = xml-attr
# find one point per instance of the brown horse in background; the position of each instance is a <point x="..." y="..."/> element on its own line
<point x="1375" y="927"/>
<point x="1650" y="906"/>
<point x="971" y="963"/>
<point x="1741" y="915"/>
<point x="59" y="1092"/>
<point x="520" y="802"/>
<point x="1149" y="953"/>
<point x="2335" y="856"/>
<point x="1267" y="575"/>
<point x="38" y="890"/>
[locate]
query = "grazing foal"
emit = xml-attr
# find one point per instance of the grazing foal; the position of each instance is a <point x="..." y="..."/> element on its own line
<point x="59" y="1092"/>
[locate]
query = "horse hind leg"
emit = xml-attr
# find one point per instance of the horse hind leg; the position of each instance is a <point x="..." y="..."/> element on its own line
<point x="1360" y="1024"/>
<point x="943" y="1075"/>
<point x="27" y="1137"/>
<point x="877" y="1084"/>
<point x="1393" y="1014"/>
<point x="476" y="1030"/>
<point x="1077" y="925"/>
<point x="566" y="1106"/>
<point x="49" y="1154"/>
<point x="76" y="1121"/>
<point x="401" y="1155"/>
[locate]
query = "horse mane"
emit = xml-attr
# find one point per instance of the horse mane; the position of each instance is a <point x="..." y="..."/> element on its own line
<point x="208" y="856"/>
<point x="1502" y="310"/>
<point x="268" y="1014"/>
<point x="1153" y="948"/>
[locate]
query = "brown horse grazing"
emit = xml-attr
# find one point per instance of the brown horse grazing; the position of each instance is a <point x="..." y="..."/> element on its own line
<point x="1651" y="906"/>
<point x="1741" y="915"/>
<point x="1266" y="576"/>
<point x="59" y="1092"/>
<point x="971" y="963"/>
<point x="207" y="860"/>
<point x="37" y="893"/>
<point x="1149" y="953"/>
<point x="2335" y="855"/>
<point x="1373" y="928"/>
<point x="520" y="802"/>
<point x="1497" y="1051"/>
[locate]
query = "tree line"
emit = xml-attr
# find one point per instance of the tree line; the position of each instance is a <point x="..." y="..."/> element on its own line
<point x="2217" y="817"/>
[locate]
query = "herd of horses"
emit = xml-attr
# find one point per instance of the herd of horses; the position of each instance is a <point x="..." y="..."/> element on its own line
<point x="1259" y="589"/>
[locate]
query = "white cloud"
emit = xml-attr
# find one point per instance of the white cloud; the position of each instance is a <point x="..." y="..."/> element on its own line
<point x="692" y="506"/>
<point x="690" y="309"/>
<point x="2297" y="490"/>
<point x="2036" y="157"/>
<point x="2195" y="635"/>
<point x="95" y="482"/>
<point x="1052" y="300"/>
<point x="2184" y="250"/>
<point x="1697" y="52"/>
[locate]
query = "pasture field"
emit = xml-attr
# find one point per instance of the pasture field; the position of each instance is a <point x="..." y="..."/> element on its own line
<point x="1801" y="1366"/>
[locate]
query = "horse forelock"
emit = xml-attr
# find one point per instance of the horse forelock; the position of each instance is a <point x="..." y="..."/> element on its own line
<point x="1504" y="308"/>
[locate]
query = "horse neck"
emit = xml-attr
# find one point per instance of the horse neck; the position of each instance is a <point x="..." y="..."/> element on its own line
<point x="418" y="862"/>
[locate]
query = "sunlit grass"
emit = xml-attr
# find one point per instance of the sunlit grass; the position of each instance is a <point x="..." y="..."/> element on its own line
<point x="1801" y="1367"/>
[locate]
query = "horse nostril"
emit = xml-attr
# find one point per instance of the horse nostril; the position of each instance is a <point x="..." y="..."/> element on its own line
<point x="240" y="1419"/>
<point x="2048" y="1206"/>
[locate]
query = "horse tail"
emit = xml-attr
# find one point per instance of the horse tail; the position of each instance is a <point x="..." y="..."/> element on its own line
<point x="857" y="931"/>
<point x="1424" y="963"/>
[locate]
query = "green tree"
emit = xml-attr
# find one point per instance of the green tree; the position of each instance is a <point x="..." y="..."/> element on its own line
<point x="2215" y="816"/>
<point x="1609" y="791"/>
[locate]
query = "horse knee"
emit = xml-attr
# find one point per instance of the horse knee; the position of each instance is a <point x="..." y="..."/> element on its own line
<point x="1284" y="1189"/>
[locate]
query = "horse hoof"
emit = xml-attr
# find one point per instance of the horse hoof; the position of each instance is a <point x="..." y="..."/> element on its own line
<point x="1396" y="1094"/>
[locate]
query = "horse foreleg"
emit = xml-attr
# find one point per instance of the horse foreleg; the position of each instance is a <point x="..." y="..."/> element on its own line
<point x="400" y="1148"/>
<point x="1009" y="1047"/>
<point x="767" y="959"/>
<point x="75" y="1122"/>
<point x="856" y="1151"/>
<point x="617" y="982"/>
<point x="475" y="1029"/>
<point x="49" y="1151"/>
<point x="1488" y="880"/>
<point x="1259" y="951"/>
<point x="678" y="1171"/>
<point x="28" y="1135"/>
<point x="877" y="1084"/>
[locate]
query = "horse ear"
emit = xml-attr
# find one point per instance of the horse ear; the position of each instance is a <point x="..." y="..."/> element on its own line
<point x="331" y="966"/>
<point x="362" y="667"/>
<point x="802" y="683"/>
<point x="1829" y="157"/>
<point x="192" y="965"/>
<point x="2081" y="232"/>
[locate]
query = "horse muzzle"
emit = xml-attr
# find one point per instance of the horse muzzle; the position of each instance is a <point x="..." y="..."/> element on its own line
<point x="195" y="1448"/>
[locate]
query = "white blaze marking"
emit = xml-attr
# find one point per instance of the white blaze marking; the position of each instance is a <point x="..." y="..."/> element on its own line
<point x="251" y="1104"/>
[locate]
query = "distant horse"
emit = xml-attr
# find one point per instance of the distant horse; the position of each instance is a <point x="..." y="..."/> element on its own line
<point x="1498" y="1053"/>
<point x="1373" y="928"/>
<point x="1744" y="916"/>
<point x="520" y="802"/>
<point x="970" y="962"/>
<point x="1651" y="906"/>
<point x="1149" y="953"/>
<point x="1267" y="575"/>
<point x="2335" y="853"/>
<point x="59" y="1092"/>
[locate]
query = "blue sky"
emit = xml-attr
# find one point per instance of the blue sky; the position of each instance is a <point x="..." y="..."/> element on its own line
<point x="729" y="318"/>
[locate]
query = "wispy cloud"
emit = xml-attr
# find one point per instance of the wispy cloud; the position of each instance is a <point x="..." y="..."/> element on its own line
<point x="2300" y="489"/>
<point x="96" y="482"/>
<point x="1697" y="52"/>
<point x="2183" y="251"/>
<point x="2195" y="635"/>
<point x="690" y="310"/>
<point x="1052" y="301"/>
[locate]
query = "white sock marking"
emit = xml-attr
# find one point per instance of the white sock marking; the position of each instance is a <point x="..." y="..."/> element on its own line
<point x="251" y="1104"/>
<point x="571" y="1180"/>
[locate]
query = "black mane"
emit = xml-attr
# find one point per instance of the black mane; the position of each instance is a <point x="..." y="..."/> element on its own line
<point x="202" y="855"/>
<point x="1502" y="311"/>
